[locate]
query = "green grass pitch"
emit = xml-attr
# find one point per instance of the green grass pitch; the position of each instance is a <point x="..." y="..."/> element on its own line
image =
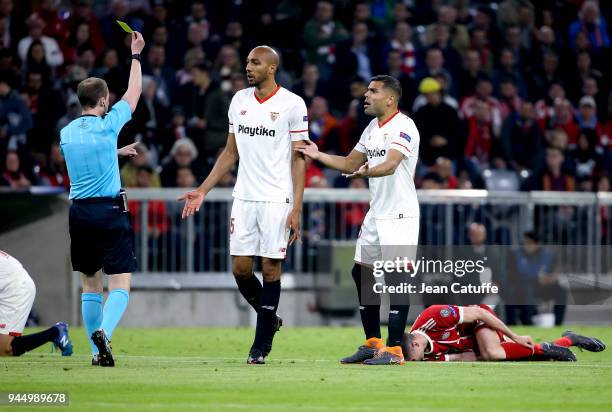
<point x="204" y="370"/>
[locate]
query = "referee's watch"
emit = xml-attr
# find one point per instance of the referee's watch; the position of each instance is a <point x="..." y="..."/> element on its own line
<point x="136" y="56"/>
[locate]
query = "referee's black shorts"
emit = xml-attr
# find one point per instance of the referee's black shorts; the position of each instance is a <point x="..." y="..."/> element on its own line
<point x="101" y="237"/>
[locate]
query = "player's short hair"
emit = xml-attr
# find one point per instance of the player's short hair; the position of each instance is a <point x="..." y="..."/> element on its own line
<point x="390" y="83"/>
<point x="407" y="347"/>
<point x="90" y="90"/>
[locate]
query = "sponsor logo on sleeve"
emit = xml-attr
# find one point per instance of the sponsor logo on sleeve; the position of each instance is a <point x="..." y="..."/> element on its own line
<point x="444" y="313"/>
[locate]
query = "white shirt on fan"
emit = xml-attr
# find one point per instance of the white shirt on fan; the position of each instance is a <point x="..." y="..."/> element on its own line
<point x="393" y="196"/>
<point x="264" y="130"/>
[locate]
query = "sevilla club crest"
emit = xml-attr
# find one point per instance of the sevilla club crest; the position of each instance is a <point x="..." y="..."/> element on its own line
<point x="274" y="116"/>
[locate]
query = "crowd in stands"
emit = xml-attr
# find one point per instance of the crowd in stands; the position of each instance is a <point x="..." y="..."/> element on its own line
<point x="511" y="94"/>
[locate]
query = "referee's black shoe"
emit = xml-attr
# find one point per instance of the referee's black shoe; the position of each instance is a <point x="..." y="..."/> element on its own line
<point x="105" y="355"/>
<point x="584" y="342"/>
<point x="256" y="357"/>
<point x="268" y="344"/>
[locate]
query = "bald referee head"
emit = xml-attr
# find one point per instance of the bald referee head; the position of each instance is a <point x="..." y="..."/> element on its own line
<point x="262" y="63"/>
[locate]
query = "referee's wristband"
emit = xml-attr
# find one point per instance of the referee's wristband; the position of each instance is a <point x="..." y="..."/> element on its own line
<point x="136" y="56"/>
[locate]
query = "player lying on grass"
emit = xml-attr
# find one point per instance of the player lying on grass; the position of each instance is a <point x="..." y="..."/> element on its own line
<point x="17" y="292"/>
<point x="470" y="333"/>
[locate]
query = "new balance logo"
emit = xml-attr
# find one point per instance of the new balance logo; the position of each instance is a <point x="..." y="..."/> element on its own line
<point x="376" y="153"/>
<point x="268" y="307"/>
<point x="256" y="131"/>
<point x="64" y="341"/>
<point x="393" y="312"/>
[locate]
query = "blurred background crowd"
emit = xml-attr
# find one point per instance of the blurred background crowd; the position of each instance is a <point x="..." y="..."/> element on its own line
<point x="507" y="95"/>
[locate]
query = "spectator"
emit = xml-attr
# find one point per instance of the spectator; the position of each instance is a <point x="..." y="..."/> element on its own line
<point x="521" y="139"/>
<point x="482" y="145"/>
<point x="447" y="15"/>
<point x="129" y="172"/>
<point x="592" y="25"/>
<point x="394" y="69"/>
<point x="434" y="65"/>
<point x="358" y="55"/>
<point x="227" y="64"/>
<point x="15" y="118"/>
<point x="149" y="119"/>
<point x="545" y="106"/>
<point x="509" y="100"/>
<point x="53" y="54"/>
<point x="82" y="13"/>
<point x="563" y="118"/>
<point x="321" y="35"/>
<point x="546" y="75"/>
<point x="444" y="168"/>
<point x="479" y="41"/>
<point x="584" y="70"/>
<point x="508" y="70"/>
<point x="55" y="173"/>
<point x="534" y="277"/>
<point x="183" y="153"/>
<point x="484" y="93"/>
<point x="441" y="40"/>
<point x="586" y="117"/>
<point x="206" y="109"/>
<point x="402" y="42"/>
<point x="468" y="77"/>
<point x="12" y="26"/>
<point x="36" y="60"/>
<point x="185" y="177"/>
<point x="80" y="36"/>
<point x="46" y="107"/>
<point x="54" y="25"/>
<point x="310" y="84"/>
<point x="587" y="156"/>
<point x="13" y="175"/>
<point x="322" y="126"/>
<point x="438" y="125"/>
<point x="162" y="74"/>
<point x="553" y="177"/>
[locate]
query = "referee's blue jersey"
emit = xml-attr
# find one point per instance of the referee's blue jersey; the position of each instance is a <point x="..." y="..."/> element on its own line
<point x="89" y="145"/>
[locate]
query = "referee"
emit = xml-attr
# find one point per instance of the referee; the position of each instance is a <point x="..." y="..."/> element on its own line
<point x="102" y="238"/>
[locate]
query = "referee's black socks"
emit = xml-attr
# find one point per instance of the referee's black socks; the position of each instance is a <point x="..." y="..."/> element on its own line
<point x="23" y="344"/>
<point x="251" y="289"/>
<point x="266" y="316"/>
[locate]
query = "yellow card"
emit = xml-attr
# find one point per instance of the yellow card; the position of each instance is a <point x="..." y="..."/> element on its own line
<point x="125" y="27"/>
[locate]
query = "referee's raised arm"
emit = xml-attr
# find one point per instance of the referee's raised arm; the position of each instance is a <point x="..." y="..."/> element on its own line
<point x="135" y="83"/>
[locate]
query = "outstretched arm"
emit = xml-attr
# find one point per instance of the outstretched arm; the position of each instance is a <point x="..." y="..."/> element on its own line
<point x="226" y="160"/>
<point x="386" y="168"/>
<point x="345" y="164"/>
<point x="135" y="82"/>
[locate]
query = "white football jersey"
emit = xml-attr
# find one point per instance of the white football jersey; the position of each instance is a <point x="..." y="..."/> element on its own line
<point x="10" y="268"/>
<point x="393" y="196"/>
<point x="264" y="130"/>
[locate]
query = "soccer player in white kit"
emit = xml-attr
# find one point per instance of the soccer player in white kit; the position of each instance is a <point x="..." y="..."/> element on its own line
<point x="17" y="292"/>
<point x="387" y="154"/>
<point x="266" y="122"/>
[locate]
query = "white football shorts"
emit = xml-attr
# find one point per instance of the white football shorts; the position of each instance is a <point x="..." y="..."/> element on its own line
<point x="386" y="239"/>
<point x="17" y="293"/>
<point x="259" y="229"/>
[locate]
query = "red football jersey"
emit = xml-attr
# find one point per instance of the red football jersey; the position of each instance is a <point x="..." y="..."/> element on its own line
<point x="440" y="325"/>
